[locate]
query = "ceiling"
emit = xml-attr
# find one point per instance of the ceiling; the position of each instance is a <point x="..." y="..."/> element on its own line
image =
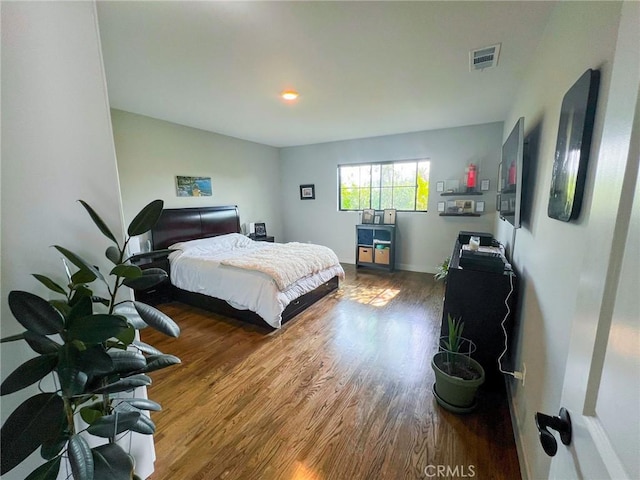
<point x="363" y="69"/>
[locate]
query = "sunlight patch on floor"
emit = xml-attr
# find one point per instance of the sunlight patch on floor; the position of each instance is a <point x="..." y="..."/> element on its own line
<point x="377" y="297"/>
<point x="304" y="473"/>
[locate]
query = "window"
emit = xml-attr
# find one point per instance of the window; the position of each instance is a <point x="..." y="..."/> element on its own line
<point x="402" y="185"/>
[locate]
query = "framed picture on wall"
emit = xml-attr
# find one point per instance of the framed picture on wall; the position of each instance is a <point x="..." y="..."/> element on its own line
<point x="307" y="192"/>
<point x="193" y="186"/>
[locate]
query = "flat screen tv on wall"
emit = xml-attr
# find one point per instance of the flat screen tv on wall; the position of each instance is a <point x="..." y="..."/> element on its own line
<point x="510" y="175"/>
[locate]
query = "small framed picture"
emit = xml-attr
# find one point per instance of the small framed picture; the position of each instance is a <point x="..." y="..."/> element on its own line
<point x="441" y="207"/>
<point x="439" y="186"/>
<point x="465" y="206"/>
<point x="261" y="230"/>
<point x="368" y="215"/>
<point x="377" y="219"/>
<point x="307" y="192"/>
<point x="389" y="216"/>
<point x="479" y="207"/>
<point x="484" y="185"/>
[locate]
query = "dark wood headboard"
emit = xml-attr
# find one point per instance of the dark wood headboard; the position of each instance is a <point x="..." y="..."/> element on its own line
<point x="183" y="224"/>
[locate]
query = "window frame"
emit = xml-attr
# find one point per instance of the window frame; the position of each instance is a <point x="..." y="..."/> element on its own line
<point x="371" y="183"/>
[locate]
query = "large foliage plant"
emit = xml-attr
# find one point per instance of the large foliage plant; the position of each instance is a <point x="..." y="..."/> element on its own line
<point x="89" y="344"/>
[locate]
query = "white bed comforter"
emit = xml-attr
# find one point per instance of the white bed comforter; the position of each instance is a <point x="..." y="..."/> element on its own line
<point x="199" y="266"/>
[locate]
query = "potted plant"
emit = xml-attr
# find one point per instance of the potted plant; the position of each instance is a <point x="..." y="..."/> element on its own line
<point x="458" y="376"/>
<point x="90" y="345"/>
<point x="442" y="270"/>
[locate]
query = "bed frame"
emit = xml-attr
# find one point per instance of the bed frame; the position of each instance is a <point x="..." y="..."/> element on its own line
<point x="184" y="224"/>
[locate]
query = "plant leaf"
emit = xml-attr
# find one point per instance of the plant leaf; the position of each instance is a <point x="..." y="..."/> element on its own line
<point x="150" y="278"/>
<point x="50" y="284"/>
<point x="35" y="421"/>
<point x="158" y="362"/>
<point x="28" y="373"/>
<point x="41" y="344"/>
<point x="35" y="313"/>
<point x="102" y="300"/>
<point x="96" y="328"/>
<point x="98" y="221"/>
<point x="80" y="263"/>
<point x="142" y="403"/>
<point x="127" y="336"/>
<point x="146" y="348"/>
<point x="81" y="277"/>
<point x="156" y="319"/>
<point x="113" y="254"/>
<point x="111" y="462"/>
<point x="82" y="307"/>
<point x="130" y="362"/>
<point x="146" y="219"/>
<point x="91" y="413"/>
<point x="80" y="458"/>
<point x="125" y="384"/>
<point x="95" y="361"/>
<point x="126" y="271"/>
<point x="144" y="425"/>
<point x="46" y="471"/>
<point x="109" y="426"/>
<point x="13" y="338"/>
<point x="72" y="378"/>
<point x="61" y="306"/>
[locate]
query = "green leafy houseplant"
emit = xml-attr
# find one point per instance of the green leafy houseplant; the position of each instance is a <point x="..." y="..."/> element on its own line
<point x="442" y="270"/>
<point x="94" y="356"/>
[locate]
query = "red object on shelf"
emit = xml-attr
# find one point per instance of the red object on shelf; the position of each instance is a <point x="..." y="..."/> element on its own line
<point x="512" y="174"/>
<point x="471" y="177"/>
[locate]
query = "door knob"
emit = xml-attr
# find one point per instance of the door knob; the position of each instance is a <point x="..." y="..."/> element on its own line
<point x="561" y="423"/>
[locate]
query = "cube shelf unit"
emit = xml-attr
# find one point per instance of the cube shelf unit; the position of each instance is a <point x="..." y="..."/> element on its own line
<point x="375" y="246"/>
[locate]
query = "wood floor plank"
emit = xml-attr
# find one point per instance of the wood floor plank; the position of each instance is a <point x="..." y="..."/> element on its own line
<point x="343" y="391"/>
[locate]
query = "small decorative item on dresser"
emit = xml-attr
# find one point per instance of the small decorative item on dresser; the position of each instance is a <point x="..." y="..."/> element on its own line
<point x="261" y="230"/>
<point x="389" y="216"/>
<point x="368" y="215"/>
<point x="308" y="192"/>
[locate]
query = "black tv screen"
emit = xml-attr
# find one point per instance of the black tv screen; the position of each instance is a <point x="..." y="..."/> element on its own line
<point x="510" y="175"/>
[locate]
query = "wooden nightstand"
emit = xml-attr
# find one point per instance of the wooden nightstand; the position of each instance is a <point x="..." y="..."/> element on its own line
<point x="161" y="293"/>
<point x="262" y="239"/>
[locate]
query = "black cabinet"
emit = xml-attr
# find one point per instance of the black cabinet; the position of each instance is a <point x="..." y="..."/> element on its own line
<point x="160" y="293"/>
<point x="376" y="246"/>
<point x="480" y="299"/>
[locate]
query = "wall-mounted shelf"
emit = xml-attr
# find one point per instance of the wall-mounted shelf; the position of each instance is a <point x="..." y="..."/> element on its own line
<point x="460" y="214"/>
<point x="460" y="194"/>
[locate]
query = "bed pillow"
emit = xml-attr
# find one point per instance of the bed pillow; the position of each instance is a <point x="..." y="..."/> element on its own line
<point x="213" y="245"/>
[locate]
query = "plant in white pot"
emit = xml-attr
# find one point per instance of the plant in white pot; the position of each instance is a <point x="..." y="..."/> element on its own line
<point x="89" y="343"/>
<point x="458" y="376"/>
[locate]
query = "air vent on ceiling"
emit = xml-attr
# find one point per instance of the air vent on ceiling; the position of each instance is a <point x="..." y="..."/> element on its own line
<point x="486" y="57"/>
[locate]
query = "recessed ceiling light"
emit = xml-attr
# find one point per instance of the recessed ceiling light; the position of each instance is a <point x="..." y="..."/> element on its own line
<point x="289" y="95"/>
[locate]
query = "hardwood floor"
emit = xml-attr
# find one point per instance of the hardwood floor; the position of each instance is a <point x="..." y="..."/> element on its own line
<point x="343" y="391"/>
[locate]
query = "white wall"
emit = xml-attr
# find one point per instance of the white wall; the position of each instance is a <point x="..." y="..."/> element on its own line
<point x="152" y="152"/>
<point x="57" y="147"/>
<point x="424" y="239"/>
<point x="548" y="254"/>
